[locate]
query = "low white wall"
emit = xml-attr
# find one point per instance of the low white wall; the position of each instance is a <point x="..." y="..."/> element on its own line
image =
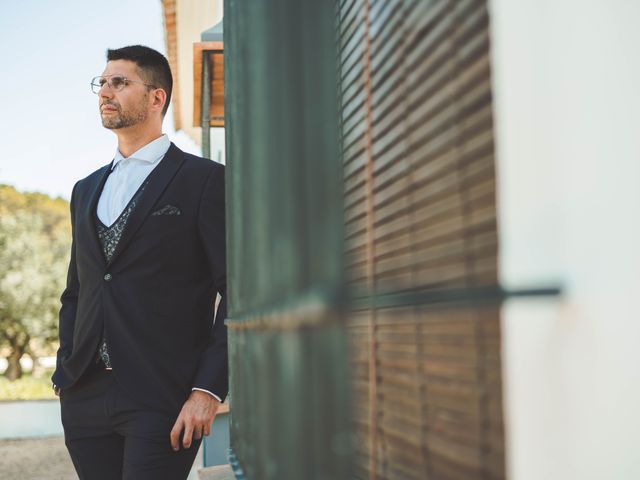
<point x="566" y="78"/>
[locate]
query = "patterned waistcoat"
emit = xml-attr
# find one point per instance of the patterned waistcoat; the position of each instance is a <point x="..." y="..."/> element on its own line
<point x="109" y="239"/>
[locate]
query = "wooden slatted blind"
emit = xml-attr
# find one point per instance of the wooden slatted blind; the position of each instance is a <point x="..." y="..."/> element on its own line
<point x="420" y="218"/>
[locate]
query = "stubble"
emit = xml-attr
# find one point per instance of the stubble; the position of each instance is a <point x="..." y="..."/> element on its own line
<point x="122" y="119"/>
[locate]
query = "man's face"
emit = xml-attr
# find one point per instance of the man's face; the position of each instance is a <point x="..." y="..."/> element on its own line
<point x="129" y="106"/>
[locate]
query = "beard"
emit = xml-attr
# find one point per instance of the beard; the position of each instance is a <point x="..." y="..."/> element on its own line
<point x="121" y="119"/>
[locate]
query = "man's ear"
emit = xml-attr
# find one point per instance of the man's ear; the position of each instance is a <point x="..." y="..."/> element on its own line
<point x="159" y="98"/>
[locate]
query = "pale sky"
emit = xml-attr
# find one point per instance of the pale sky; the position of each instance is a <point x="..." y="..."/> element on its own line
<point x="50" y="129"/>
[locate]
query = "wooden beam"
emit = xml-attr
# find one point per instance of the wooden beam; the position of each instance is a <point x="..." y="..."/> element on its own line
<point x="169" y="14"/>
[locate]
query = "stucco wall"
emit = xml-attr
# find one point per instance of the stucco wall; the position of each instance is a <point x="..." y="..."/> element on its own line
<point x="566" y="79"/>
<point x="192" y="18"/>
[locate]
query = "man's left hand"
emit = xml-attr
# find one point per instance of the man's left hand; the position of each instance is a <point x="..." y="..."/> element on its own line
<point x="195" y="419"/>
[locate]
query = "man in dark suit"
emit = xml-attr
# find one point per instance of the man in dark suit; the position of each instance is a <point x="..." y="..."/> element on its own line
<point x="142" y="364"/>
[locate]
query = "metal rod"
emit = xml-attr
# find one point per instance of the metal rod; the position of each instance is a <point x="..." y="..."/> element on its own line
<point x="474" y="296"/>
<point x="205" y="100"/>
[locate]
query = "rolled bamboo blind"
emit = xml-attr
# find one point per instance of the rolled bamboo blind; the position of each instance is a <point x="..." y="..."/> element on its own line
<point x="420" y="216"/>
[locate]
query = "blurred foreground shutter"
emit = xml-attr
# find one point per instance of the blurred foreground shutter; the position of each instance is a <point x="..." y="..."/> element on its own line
<point x="287" y="348"/>
<point x="420" y="220"/>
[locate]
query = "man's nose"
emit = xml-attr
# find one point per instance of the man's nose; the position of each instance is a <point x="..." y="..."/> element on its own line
<point x="105" y="91"/>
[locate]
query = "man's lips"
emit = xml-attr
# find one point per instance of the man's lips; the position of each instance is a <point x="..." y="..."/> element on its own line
<point x="108" y="108"/>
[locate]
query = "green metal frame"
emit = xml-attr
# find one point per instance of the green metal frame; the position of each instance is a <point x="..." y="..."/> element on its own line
<point x="287" y="351"/>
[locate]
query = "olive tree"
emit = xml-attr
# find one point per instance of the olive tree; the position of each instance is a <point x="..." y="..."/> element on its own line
<point x="34" y="249"/>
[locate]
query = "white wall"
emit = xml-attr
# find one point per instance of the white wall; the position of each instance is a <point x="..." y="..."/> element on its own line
<point x="217" y="143"/>
<point x="566" y="77"/>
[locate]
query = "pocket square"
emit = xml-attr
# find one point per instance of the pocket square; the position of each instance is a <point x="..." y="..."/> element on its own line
<point x="167" y="210"/>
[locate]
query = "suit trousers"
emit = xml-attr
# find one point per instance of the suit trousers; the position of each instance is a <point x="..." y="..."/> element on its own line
<point x="111" y="436"/>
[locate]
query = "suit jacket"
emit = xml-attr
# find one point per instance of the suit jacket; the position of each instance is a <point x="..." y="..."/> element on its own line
<point x="155" y="299"/>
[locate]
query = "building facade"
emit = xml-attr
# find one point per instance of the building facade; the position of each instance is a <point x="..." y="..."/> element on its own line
<point x="431" y="239"/>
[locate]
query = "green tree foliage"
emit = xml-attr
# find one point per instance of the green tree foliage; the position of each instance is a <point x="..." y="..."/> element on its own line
<point x="35" y="241"/>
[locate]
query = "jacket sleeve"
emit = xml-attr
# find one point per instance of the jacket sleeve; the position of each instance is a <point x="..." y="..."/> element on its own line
<point x="69" y="300"/>
<point x="213" y="370"/>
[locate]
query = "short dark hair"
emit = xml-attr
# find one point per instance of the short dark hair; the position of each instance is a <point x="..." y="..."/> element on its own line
<point x="154" y="67"/>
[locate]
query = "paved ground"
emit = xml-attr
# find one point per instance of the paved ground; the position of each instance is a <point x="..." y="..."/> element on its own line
<point x="43" y="459"/>
<point x="35" y="459"/>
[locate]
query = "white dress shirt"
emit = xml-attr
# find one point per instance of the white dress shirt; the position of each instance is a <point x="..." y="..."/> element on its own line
<point x="127" y="174"/>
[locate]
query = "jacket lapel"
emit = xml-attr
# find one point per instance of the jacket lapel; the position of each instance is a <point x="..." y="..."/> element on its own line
<point x="90" y="207"/>
<point x="159" y="178"/>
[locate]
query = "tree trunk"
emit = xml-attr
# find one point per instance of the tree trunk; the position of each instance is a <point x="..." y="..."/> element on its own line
<point x="14" y="369"/>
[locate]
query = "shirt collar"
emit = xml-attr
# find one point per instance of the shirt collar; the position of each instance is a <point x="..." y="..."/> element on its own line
<point x="150" y="153"/>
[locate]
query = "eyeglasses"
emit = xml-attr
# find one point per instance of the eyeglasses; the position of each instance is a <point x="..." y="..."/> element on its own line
<point x="115" y="82"/>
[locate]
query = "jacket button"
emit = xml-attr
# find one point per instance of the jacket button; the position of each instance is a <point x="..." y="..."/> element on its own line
<point x="108" y="277"/>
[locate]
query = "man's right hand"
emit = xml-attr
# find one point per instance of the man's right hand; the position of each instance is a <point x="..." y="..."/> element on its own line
<point x="56" y="390"/>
